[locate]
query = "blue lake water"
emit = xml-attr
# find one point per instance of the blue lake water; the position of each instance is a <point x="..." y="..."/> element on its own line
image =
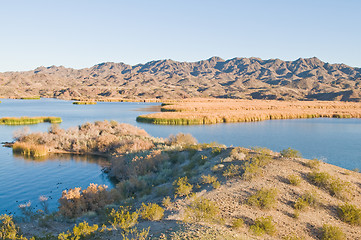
<point x="336" y="141"/>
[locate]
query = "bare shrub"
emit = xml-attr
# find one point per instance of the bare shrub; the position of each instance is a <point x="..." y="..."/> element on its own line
<point x="182" y="139"/>
<point x="76" y="202"/>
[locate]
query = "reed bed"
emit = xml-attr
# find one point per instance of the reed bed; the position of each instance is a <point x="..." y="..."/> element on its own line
<point x="30" y="150"/>
<point x="31" y="98"/>
<point x="28" y="120"/>
<point x="84" y="103"/>
<point x="229" y="111"/>
<point x="116" y="100"/>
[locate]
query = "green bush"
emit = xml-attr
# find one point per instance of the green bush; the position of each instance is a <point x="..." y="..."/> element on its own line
<point x="264" y="198"/>
<point x="82" y="231"/>
<point x="313" y="163"/>
<point x="350" y="214"/>
<point x="8" y="229"/>
<point x="294" y="180"/>
<point x="208" y="179"/>
<point x="135" y="234"/>
<point x="217" y="150"/>
<point x="320" y="179"/>
<point x="330" y="232"/>
<point x="263" y="225"/>
<point x="290" y="153"/>
<point x="202" y="209"/>
<point x="250" y="170"/>
<point x="237" y="223"/>
<point x="151" y="211"/>
<point x="306" y="200"/>
<point x="335" y="186"/>
<point x="232" y="171"/>
<point x="182" y="187"/>
<point x="123" y="219"/>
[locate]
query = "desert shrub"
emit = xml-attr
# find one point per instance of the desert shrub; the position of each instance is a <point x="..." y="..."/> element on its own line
<point x="202" y="209"/>
<point x="80" y="231"/>
<point x="138" y="164"/>
<point x="253" y="166"/>
<point x="208" y="179"/>
<point x="238" y="153"/>
<point x="350" y="214"/>
<point x="216" y="184"/>
<point x="264" y="198"/>
<point x="250" y="170"/>
<point x="313" y="163"/>
<point x="123" y="219"/>
<point x="263" y="225"/>
<point x="237" y="223"/>
<point x="151" y="211"/>
<point x="290" y="153"/>
<point x="335" y="186"/>
<point x="339" y="189"/>
<point x="262" y="150"/>
<point x="166" y="202"/>
<point x="76" y="202"/>
<point x="135" y="234"/>
<point x="356" y="170"/>
<point x="294" y="179"/>
<point x="182" y="187"/>
<point x="135" y="186"/>
<point x="232" y="171"/>
<point x="182" y="139"/>
<point x="330" y="232"/>
<point x="8" y="229"/>
<point x="217" y="150"/>
<point x="320" y="179"/>
<point x="306" y="200"/>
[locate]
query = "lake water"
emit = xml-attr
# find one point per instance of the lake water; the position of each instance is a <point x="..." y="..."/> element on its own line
<point x="336" y="141"/>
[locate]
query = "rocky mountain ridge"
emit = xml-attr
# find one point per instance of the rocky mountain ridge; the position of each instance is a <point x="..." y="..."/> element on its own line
<point x="246" y="78"/>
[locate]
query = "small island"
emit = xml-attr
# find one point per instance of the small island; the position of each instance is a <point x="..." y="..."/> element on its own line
<point x="28" y="120"/>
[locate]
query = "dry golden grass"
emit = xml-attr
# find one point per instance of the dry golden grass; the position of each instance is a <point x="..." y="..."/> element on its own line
<point x="210" y="111"/>
<point x="115" y="100"/>
<point x="30" y="150"/>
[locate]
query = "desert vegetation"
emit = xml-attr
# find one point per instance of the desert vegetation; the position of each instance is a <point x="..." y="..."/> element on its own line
<point x="84" y="102"/>
<point x="28" y="120"/>
<point x="90" y="138"/>
<point x="182" y="189"/>
<point x="211" y="111"/>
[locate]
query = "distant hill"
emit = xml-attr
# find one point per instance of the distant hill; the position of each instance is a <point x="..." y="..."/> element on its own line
<point x="247" y="78"/>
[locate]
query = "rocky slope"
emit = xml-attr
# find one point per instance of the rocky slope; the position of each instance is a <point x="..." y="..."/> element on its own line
<point x="249" y="78"/>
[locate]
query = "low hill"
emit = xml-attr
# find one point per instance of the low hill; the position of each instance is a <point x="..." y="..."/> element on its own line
<point x="178" y="189"/>
<point x="243" y="78"/>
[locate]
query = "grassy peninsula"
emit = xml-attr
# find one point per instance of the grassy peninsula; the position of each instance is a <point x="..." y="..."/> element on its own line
<point x="211" y="111"/>
<point x="176" y="188"/>
<point x="28" y="120"/>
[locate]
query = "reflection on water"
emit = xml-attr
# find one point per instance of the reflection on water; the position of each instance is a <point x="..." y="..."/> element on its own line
<point x="100" y="160"/>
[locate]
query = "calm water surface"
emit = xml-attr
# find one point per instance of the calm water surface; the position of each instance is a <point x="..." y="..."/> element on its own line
<point x="336" y="141"/>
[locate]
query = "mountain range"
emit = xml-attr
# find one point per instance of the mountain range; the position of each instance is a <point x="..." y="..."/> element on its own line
<point x="243" y="78"/>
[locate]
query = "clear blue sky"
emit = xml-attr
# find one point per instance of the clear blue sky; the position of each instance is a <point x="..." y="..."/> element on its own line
<point x="81" y="33"/>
